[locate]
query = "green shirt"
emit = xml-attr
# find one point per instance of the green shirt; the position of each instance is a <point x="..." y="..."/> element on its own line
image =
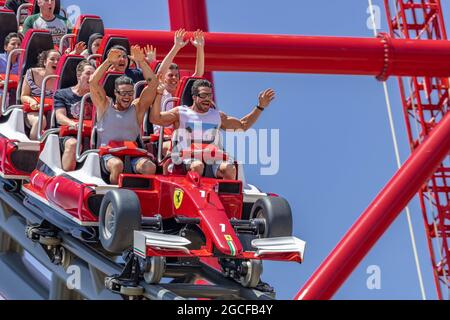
<point x="58" y="27"/>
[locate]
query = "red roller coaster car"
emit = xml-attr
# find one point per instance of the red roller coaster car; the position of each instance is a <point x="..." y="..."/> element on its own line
<point x="178" y="217"/>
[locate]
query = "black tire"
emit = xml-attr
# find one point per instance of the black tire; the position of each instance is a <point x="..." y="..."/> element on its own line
<point x="117" y="236"/>
<point x="277" y="213"/>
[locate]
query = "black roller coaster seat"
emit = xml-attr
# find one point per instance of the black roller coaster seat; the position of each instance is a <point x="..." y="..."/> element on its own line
<point x="184" y="93"/>
<point x="87" y="25"/>
<point x="66" y="70"/>
<point x="34" y="42"/>
<point x="8" y="23"/>
<point x="110" y="41"/>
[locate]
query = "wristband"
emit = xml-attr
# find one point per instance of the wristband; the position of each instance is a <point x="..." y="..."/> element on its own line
<point x="259" y="108"/>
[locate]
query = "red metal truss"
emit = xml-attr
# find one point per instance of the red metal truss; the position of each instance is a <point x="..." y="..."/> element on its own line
<point x="191" y="16"/>
<point x="378" y="216"/>
<point x="425" y="102"/>
<point x="380" y="57"/>
<point x="397" y="54"/>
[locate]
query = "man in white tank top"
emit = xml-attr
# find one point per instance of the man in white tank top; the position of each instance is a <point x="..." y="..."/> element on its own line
<point x="202" y="118"/>
<point x="122" y="120"/>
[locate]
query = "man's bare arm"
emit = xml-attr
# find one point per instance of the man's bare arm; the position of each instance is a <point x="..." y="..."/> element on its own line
<point x="231" y="123"/>
<point x="62" y="119"/>
<point x="144" y="102"/>
<point x="138" y="56"/>
<point x="98" y="94"/>
<point x="162" y="118"/>
<point x="178" y="44"/>
<point x="199" y="43"/>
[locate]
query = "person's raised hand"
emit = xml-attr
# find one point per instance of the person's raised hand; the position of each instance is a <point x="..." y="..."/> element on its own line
<point x="150" y="53"/>
<point x="80" y="47"/>
<point x="137" y="54"/>
<point x="198" y="40"/>
<point x="114" y="56"/>
<point x="179" y="38"/>
<point x="266" y="97"/>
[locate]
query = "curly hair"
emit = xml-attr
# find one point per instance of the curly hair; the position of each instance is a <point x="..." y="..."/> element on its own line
<point x="42" y="57"/>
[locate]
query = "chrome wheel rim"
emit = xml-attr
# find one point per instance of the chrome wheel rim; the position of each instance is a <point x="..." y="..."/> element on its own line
<point x="110" y="220"/>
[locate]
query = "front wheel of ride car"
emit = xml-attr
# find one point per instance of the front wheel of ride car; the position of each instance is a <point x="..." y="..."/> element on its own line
<point x="120" y="216"/>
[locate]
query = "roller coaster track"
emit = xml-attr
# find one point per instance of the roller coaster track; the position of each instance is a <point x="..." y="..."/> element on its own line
<point x="23" y="279"/>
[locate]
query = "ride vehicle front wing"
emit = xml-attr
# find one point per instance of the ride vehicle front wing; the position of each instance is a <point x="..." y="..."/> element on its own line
<point x="150" y="244"/>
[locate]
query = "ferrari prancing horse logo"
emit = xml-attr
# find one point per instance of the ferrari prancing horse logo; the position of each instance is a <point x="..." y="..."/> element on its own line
<point x="177" y="198"/>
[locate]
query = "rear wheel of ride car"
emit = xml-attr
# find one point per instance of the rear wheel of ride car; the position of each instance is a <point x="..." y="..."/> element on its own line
<point x="13" y="186"/>
<point x="154" y="269"/>
<point x="120" y="215"/>
<point x="251" y="273"/>
<point x="277" y="215"/>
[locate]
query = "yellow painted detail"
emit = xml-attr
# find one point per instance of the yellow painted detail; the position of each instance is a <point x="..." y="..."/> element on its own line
<point x="178" y="198"/>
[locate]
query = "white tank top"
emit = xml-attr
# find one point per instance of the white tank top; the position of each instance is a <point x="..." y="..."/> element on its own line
<point x="198" y="127"/>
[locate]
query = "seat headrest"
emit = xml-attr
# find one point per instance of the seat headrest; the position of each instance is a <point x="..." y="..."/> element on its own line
<point x="184" y="92"/>
<point x="110" y="41"/>
<point x="109" y="81"/>
<point x="87" y="25"/>
<point x="67" y="70"/>
<point x="34" y="43"/>
<point x="9" y="24"/>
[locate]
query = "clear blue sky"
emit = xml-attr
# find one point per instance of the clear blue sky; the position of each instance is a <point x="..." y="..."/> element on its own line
<point x="336" y="150"/>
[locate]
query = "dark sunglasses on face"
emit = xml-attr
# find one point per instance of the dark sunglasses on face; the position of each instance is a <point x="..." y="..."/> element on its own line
<point x="125" y="93"/>
<point x="205" y="95"/>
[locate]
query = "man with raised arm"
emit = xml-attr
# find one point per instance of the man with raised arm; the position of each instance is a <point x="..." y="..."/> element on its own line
<point x="121" y="120"/>
<point x="202" y="121"/>
<point x="169" y="72"/>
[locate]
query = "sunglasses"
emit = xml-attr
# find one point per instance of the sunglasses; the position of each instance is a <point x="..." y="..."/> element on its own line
<point x="125" y="93"/>
<point x="204" y="95"/>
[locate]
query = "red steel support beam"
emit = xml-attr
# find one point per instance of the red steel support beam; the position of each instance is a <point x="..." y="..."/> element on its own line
<point x="307" y="54"/>
<point x="190" y="15"/>
<point x="380" y="214"/>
